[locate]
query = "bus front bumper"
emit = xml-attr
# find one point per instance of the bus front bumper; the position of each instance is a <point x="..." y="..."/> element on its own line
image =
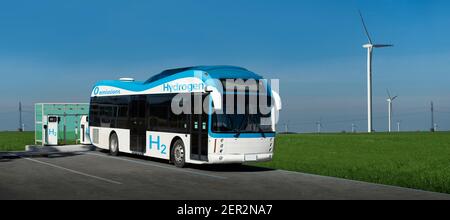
<point x="240" y="158"/>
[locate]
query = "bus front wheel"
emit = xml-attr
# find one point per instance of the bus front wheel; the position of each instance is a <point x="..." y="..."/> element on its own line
<point x="113" y="145"/>
<point x="178" y="154"/>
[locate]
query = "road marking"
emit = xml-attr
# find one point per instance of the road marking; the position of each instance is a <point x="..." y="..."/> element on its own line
<point x="159" y="166"/>
<point x="73" y="171"/>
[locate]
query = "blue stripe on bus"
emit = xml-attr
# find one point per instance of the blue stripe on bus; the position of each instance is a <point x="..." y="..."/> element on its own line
<point x="242" y="135"/>
<point x="212" y="74"/>
<point x="140" y="86"/>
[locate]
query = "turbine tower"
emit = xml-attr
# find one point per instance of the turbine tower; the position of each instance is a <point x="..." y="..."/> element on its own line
<point x="319" y="125"/>
<point x="370" y="46"/>
<point x="354" y="128"/>
<point x="390" y="99"/>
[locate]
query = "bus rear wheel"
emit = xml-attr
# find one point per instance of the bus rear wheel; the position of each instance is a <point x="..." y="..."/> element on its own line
<point x="113" y="145"/>
<point x="178" y="154"/>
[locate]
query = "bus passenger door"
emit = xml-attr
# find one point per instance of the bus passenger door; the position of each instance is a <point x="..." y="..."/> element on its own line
<point x="199" y="130"/>
<point x="136" y="121"/>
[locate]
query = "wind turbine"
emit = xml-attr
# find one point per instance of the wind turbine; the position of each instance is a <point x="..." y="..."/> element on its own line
<point x="354" y="128"/>
<point x="370" y="46"/>
<point x="390" y="99"/>
<point x="319" y="125"/>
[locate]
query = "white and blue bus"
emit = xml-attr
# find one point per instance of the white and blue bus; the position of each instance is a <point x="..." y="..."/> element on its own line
<point x="138" y="118"/>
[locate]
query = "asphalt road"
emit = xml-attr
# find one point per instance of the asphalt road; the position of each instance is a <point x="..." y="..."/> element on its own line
<point x="96" y="175"/>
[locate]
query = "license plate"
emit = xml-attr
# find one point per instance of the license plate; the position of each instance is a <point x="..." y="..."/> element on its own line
<point x="250" y="157"/>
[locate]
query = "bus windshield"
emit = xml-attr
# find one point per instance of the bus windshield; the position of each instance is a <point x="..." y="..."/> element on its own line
<point x="241" y="123"/>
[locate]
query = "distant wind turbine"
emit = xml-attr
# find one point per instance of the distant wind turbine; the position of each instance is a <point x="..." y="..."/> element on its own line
<point x="390" y="99"/>
<point x="370" y="45"/>
<point x="354" y="128"/>
<point x="319" y="125"/>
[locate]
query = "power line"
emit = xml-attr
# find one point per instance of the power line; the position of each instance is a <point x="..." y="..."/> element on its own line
<point x="21" y="125"/>
<point x="350" y="120"/>
<point x="433" y="126"/>
<point x="445" y="112"/>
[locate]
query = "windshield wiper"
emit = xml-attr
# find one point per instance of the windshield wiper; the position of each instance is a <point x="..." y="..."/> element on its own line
<point x="261" y="130"/>
<point x="239" y="131"/>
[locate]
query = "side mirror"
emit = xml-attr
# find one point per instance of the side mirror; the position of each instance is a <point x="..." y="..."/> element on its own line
<point x="277" y="100"/>
<point x="209" y="89"/>
<point x="215" y="95"/>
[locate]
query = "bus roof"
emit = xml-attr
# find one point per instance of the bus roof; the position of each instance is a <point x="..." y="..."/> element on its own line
<point x="214" y="72"/>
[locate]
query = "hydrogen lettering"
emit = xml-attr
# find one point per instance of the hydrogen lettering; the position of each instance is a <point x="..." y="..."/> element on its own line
<point x="183" y="87"/>
<point x="160" y="147"/>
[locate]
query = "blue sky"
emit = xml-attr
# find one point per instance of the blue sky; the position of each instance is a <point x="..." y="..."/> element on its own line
<point x="54" y="51"/>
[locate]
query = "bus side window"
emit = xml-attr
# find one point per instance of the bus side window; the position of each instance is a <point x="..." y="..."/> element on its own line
<point x="158" y="112"/>
<point x="161" y="116"/>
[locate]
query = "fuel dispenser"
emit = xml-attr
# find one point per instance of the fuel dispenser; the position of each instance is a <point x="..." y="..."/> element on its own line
<point x="51" y="130"/>
<point x="84" y="130"/>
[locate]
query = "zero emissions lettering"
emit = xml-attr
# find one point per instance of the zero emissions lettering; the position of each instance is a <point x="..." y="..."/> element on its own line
<point x="97" y="91"/>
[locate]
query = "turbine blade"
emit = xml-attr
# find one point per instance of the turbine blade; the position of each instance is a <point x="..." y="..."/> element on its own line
<point x="394" y="97"/>
<point x="382" y="45"/>
<point x="365" y="27"/>
<point x="389" y="94"/>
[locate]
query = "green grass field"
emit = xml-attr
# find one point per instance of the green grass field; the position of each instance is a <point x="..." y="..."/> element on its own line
<point x="414" y="160"/>
<point x="15" y="141"/>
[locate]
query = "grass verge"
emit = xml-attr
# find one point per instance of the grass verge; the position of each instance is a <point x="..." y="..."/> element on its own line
<point x="15" y="141"/>
<point x="413" y="160"/>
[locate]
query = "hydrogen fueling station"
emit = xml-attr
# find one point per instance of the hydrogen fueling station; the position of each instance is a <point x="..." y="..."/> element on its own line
<point x="61" y="123"/>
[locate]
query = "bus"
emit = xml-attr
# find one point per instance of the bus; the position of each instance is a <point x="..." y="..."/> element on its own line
<point x="138" y="117"/>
